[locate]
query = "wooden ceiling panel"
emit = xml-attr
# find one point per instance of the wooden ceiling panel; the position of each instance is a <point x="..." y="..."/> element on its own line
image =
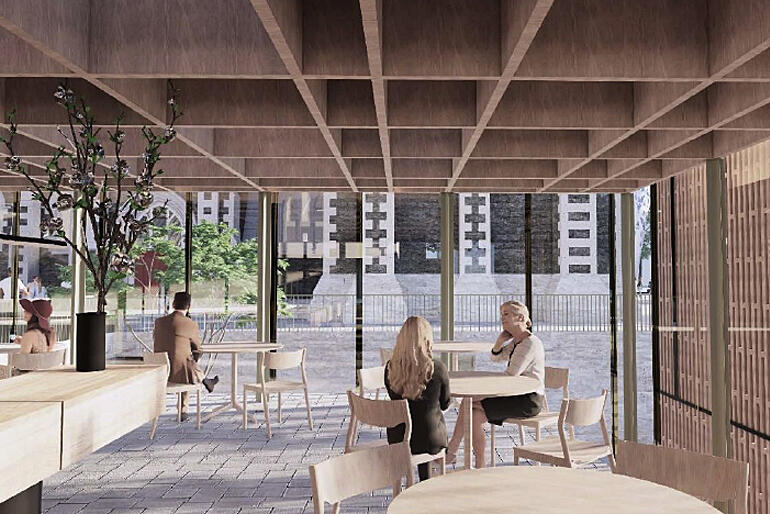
<point x="532" y="144"/>
<point x="425" y="143"/>
<point x="431" y="103"/>
<point x="620" y="40"/>
<point x="333" y="38"/>
<point x="435" y="38"/>
<point x="541" y="104"/>
<point x="242" y="103"/>
<point x="397" y="95"/>
<point x="361" y="143"/>
<point x="350" y="103"/>
<point x="180" y="38"/>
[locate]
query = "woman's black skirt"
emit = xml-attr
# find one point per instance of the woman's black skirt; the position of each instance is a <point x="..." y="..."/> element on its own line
<point x="500" y="408"/>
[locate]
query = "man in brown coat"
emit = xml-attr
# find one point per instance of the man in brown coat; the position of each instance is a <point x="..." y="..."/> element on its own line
<point x="179" y="336"/>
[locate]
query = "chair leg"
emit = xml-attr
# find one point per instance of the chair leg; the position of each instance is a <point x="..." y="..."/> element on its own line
<point x="280" y="417"/>
<point x="198" y="410"/>
<point x="309" y="416"/>
<point x="396" y="488"/>
<point x="245" y="407"/>
<point x="153" y="428"/>
<point x="442" y="465"/>
<point x="537" y="433"/>
<point x="521" y="434"/>
<point x="515" y="458"/>
<point x="178" y="407"/>
<point x="492" y="445"/>
<point x="267" y="415"/>
<point x="336" y="508"/>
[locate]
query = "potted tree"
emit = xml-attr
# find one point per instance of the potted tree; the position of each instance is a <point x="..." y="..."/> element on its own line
<point x="115" y="202"/>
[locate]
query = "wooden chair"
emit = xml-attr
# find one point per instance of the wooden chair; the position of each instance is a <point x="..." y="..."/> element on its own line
<point x="704" y="476"/>
<point x="161" y="359"/>
<point x="566" y="451"/>
<point x="32" y="362"/>
<point x="277" y="361"/>
<point x="385" y="414"/>
<point x="338" y="478"/>
<point x="385" y="355"/>
<point x="371" y="379"/>
<point x="555" y="378"/>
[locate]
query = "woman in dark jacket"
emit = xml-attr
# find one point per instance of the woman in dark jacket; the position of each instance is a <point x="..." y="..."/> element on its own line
<point x="414" y="374"/>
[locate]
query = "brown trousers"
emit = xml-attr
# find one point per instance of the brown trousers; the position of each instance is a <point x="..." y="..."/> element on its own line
<point x="186" y="396"/>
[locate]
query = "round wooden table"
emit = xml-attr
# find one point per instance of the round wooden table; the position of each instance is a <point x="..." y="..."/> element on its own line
<point x="455" y="348"/>
<point x="234" y="349"/>
<point x="541" y="490"/>
<point x="484" y="384"/>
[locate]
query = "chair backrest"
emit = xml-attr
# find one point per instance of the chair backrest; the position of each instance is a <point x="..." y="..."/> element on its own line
<point x="377" y="413"/>
<point x="557" y="378"/>
<point x="284" y="360"/>
<point x="583" y="412"/>
<point x="704" y="476"/>
<point x="370" y="379"/>
<point x="341" y="477"/>
<point x="35" y="361"/>
<point x="157" y="358"/>
<point x="385" y="355"/>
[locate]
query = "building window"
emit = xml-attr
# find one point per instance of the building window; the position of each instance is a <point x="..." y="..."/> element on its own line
<point x="579" y="216"/>
<point x="579" y="251"/>
<point x="580" y="268"/>
<point x="23" y="222"/>
<point x="207" y="210"/>
<point x="432" y="251"/>
<point x="579" y="234"/>
<point x="578" y="199"/>
<point x="23" y="209"/>
<point x="207" y="196"/>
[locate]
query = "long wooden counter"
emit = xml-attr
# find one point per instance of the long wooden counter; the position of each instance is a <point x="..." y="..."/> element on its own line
<point x="73" y="414"/>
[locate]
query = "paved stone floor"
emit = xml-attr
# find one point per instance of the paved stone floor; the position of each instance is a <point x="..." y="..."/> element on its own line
<point x="221" y="468"/>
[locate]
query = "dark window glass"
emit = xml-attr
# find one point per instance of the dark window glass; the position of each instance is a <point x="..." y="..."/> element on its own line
<point x="578" y="199"/>
<point x="580" y="268"/>
<point x="579" y="234"/>
<point x="579" y="251"/>
<point x="579" y="216"/>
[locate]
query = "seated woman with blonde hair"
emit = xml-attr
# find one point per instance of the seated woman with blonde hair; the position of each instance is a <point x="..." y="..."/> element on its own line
<point x="525" y="356"/>
<point x="38" y="338"/>
<point x="414" y="374"/>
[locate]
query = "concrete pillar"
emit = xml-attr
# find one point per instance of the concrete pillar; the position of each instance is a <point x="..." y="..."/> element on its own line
<point x="447" y="201"/>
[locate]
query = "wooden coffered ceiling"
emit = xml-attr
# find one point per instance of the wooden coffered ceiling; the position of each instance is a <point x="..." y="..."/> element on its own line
<point x="401" y="95"/>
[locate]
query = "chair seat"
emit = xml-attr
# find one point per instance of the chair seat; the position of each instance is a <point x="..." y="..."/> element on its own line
<point x="275" y="386"/>
<point x="580" y="452"/>
<point x="422" y="458"/>
<point x="175" y="387"/>
<point x="369" y="445"/>
<point x="541" y="419"/>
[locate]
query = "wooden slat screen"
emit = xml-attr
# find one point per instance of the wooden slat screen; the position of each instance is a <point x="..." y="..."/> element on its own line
<point x="685" y="396"/>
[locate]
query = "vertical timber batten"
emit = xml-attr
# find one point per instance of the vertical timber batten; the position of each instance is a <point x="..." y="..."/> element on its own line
<point x="716" y="220"/>
<point x="628" y="245"/>
<point x="265" y="266"/>
<point x="654" y="298"/>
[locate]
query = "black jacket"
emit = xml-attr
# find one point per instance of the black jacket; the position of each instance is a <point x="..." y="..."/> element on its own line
<point x="428" y="427"/>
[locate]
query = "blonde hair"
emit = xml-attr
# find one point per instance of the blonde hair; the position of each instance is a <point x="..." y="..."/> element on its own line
<point x="520" y="309"/>
<point x="411" y="366"/>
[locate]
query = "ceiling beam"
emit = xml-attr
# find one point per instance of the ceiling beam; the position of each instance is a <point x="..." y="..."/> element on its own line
<point x="371" y="17"/>
<point x="283" y="22"/>
<point x="521" y="21"/>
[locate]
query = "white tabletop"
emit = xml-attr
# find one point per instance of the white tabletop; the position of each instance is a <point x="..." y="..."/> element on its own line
<point x="240" y="347"/>
<point x="489" y="383"/>
<point x="9" y="347"/>
<point x="541" y="490"/>
<point x="462" y="347"/>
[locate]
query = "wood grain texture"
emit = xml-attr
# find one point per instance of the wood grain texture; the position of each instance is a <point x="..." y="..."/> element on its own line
<point x="30" y="435"/>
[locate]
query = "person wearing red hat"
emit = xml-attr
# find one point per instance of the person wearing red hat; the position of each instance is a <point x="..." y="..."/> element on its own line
<point x="38" y="337"/>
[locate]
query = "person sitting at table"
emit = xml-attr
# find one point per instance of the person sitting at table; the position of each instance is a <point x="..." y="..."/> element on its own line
<point x="179" y="336"/>
<point x="525" y="356"/>
<point x="38" y="338"/>
<point x="414" y="374"/>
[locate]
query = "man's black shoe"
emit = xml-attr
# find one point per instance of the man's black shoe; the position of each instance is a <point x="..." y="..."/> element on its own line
<point x="209" y="383"/>
<point x="185" y="417"/>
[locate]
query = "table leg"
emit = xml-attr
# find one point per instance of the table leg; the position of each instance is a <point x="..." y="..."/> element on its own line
<point x="467" y="404"/>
